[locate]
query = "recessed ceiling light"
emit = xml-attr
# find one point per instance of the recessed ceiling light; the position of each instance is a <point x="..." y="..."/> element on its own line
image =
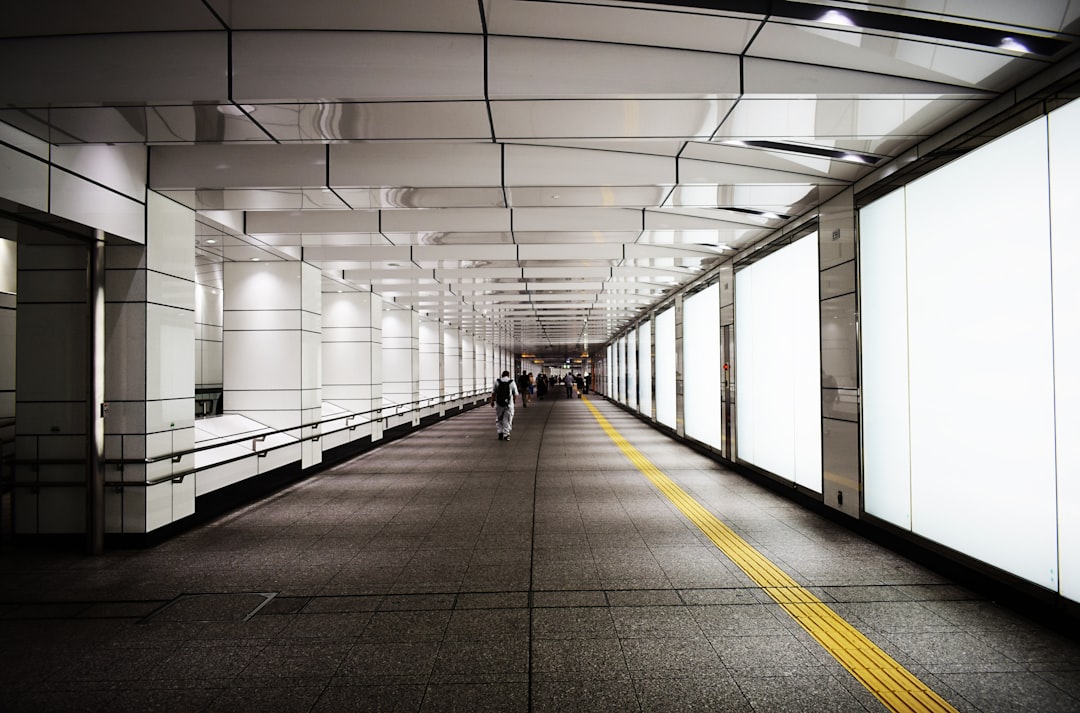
<point x="254" y="259"/>
<point x="211" y="241"/>
<point x="1014" y="45"/>
<point x="835" y="17"/>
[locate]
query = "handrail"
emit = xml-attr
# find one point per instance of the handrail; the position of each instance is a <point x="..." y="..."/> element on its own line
<point x="176" y="456"/>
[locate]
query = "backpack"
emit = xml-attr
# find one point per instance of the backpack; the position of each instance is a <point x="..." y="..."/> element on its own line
<point x="502" y="392"/>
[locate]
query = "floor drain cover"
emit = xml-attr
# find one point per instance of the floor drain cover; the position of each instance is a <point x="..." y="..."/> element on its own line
<point x="240" y="606"/>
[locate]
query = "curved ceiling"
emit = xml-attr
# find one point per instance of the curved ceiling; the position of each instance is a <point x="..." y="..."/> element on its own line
<point x="535" y="171"/>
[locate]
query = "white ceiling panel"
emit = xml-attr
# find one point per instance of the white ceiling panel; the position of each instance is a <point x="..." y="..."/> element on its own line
<point x="714" y="172"/>
<point x="1054" y="16"/>
<point x="555" y="239"/>
<point x="577" y="219"/>
<point x="400" y="15"/>
<point x="443" y="238"/>
<point x="523" y="68"/>
<point x="160" y="124"/>
<point x="412" y="197"/>
<point x="788" y="199"/>
<point x="622" y="23"/>
<point x="167" y="67"/>
<point x="586" y="196"/>
<point x="379" y="66"/>
<point x="237" y="166"/>
<point x="415" y="165"/>
<point x="650" y="146"/>
<point x="628" y="118"/>
<point x="890" y="59"/>
<point x="373" y="121"/>
<point x="446" y="220"/>
<point x="737" y="152"/>
<point x="61" y="17"/>
<point x="436" y="255"/>
<point x="329" y="221"/>
<point x="839" y="118"/>
<point x="550" y="166"/>
<point x="533" y="172"/>
<point x="571" y="252"/>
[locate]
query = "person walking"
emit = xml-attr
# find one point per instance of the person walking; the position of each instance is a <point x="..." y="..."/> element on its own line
<point x="568" y="381"/>
<point x="503" y="396"/>
<point x="523" y="388"/>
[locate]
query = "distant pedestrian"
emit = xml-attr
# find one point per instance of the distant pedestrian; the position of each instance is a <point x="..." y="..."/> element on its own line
<point x="503" y="396"/>
<point x="568" y="381"/>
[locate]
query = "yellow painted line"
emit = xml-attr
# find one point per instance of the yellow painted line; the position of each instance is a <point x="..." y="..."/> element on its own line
<point x="896" y="687"/>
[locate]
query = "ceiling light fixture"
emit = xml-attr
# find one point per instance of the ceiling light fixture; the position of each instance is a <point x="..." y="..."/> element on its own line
<point x="835" y="17"/>
<point x="772" y="215"/>
<point x="917" y="25"/>
<point x="1013" y="45"/>
<point x="819" y="151"/>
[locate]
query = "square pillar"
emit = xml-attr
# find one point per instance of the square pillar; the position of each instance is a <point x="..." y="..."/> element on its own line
<point x="401" y="356"/>
<point x="150" y="369"/>
<point x="352" y="354"/>
<point x="272" y="369"/>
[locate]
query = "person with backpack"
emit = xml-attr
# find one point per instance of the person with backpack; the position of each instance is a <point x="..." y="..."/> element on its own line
<point x="503" y="397"/>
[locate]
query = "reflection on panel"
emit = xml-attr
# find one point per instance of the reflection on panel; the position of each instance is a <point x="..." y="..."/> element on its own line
<point x="631" y="370"/>
<point x="841" y="465"/>
<point x="701" y="367"/>
<point x="839" y="280"/>
<point x="839" y="350"/>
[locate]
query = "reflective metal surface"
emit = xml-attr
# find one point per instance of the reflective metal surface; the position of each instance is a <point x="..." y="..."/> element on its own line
<point x="646" y="142"/>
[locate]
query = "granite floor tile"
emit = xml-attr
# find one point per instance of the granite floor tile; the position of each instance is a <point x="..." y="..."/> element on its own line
<point x="692" y="693"/>
<point x="443" y="572"/>
<point x="584" y="696"/>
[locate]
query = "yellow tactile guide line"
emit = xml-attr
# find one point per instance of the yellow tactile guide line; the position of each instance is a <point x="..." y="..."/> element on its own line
<point x="893" y="685"/>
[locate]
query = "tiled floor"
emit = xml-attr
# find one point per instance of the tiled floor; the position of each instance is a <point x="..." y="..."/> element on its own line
<point x="449" y="571"/>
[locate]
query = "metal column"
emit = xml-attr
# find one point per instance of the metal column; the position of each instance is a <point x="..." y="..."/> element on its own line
<point x="95" y="395"/>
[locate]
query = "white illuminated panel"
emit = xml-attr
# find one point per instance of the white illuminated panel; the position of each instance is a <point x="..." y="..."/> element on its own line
<point x="1065" y="234"/>
<point x="631" y="370"/>
<point x="981" y="365"/>
<point x="609" y="367"/>
<point x="665" y="368"/>
<point x="645" y="369"/>
<point x="621" y="358"/>
<point x="981" y="362"/>
<point x="778" y="363"/>
<point x="883" y="316"/>
<point x="702" y="380"/>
